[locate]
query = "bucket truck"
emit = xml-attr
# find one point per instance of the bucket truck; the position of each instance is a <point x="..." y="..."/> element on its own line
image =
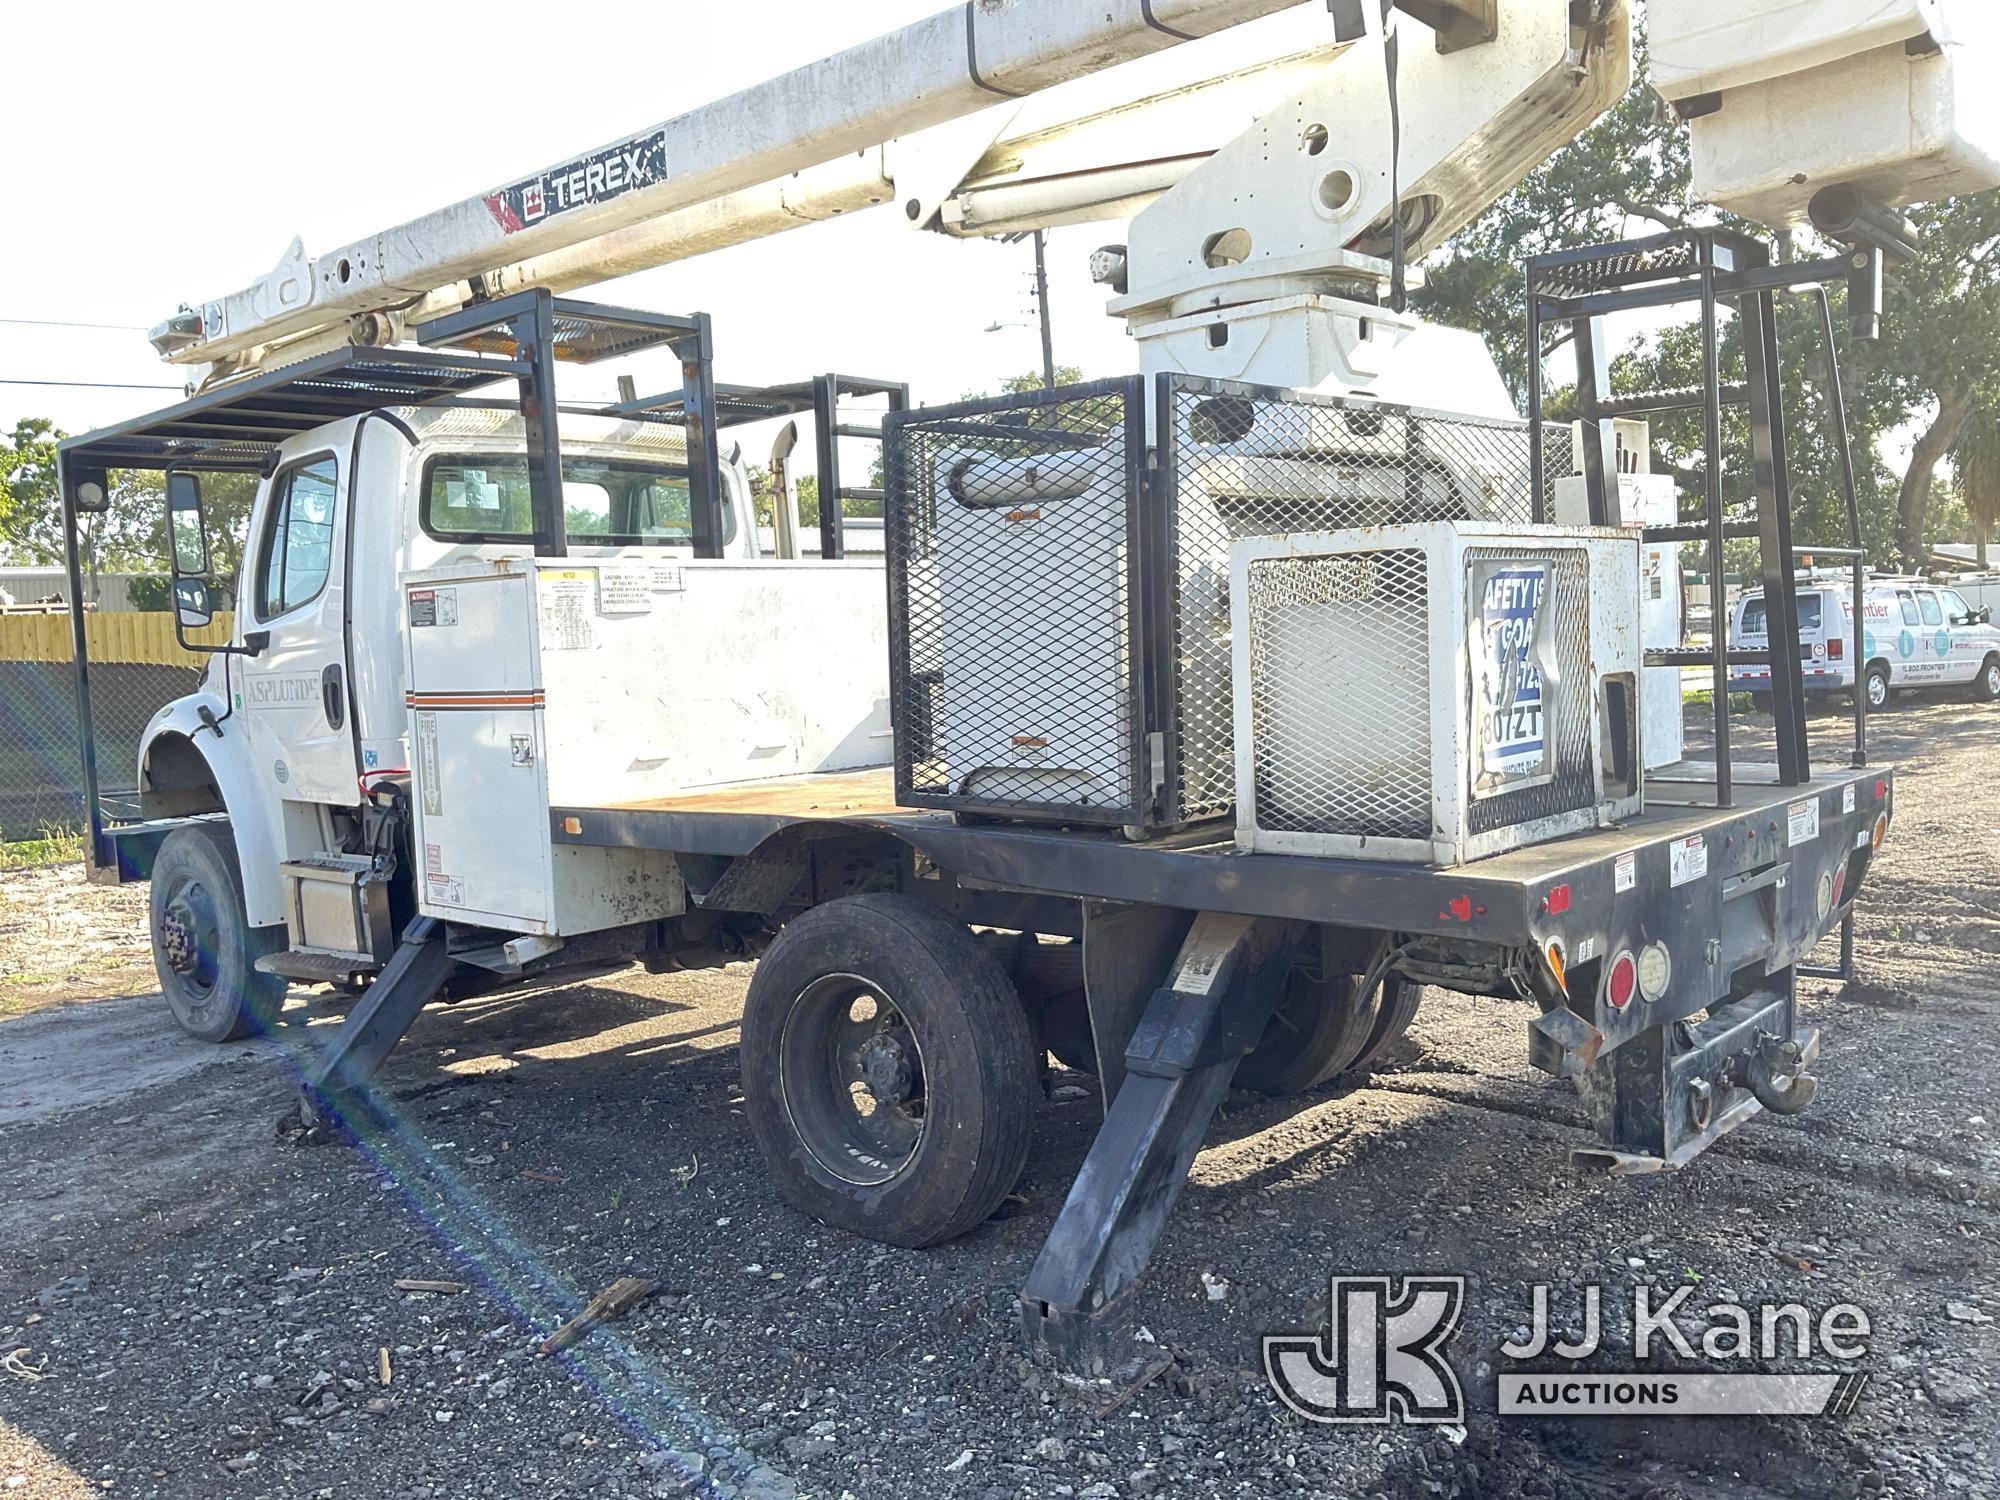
<point x="1192" y="723"/>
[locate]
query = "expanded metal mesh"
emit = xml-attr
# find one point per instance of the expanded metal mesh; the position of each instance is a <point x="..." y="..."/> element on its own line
<point x="1060" y="611"/>
<point x="1567" y="708"/>
<point x="1010" y="548"/>
<point x="1340" y="703"/>
<point x="1249" y="461"/>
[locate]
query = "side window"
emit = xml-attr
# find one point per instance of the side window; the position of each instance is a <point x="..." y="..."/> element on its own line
<point x="1909" y="603"/>
<point x="1955" y="607"/>
<point x="1928" y="603"/>
<point x="295" y="552"/>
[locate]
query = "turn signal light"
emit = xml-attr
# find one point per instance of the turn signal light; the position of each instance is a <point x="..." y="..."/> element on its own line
<point x="1624" y="981"/>
<point x="1881" y="828"/>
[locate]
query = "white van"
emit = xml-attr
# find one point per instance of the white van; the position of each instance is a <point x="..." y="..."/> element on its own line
<point x="1916" y="634"/>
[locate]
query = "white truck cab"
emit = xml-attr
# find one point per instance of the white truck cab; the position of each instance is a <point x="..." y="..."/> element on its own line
<point x="1916" y="634"/>
<point x="321" y="706"/>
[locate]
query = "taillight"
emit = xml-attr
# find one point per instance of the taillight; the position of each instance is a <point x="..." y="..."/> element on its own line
<point x="1836" y="649"/>
<point x="1624" y="981"/>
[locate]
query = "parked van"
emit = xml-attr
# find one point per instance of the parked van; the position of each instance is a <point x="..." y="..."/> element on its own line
<point x="1916" y="634"/>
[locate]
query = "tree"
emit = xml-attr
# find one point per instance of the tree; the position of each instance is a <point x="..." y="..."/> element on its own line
<point x="1937" y="362"/>
<point x="1976" y="458"/>
<point x="131" y="536"/>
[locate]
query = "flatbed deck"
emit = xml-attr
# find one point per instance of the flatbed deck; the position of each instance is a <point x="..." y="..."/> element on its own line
<point x="1496" y="899"/>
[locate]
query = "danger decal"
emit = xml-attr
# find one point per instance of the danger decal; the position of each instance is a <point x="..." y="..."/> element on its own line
<point x="596" y="178"/>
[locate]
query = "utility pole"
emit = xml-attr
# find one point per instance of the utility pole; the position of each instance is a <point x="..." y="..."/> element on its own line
<point x="1042" y="305"/>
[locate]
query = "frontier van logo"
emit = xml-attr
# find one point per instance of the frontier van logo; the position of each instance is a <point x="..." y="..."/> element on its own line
<point x="1380" y="1357"/>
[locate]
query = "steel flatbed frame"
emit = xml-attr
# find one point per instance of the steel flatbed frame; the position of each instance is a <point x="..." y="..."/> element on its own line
<point x="1735" y="898"/>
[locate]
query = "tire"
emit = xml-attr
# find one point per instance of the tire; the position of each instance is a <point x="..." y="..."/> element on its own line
<point x="1880" y="693"/>
<point x="1323" y="1027"/>
<point x="204" y="949"/>
<point x="889" y="1071"/>
<point x="1986" y="686"/>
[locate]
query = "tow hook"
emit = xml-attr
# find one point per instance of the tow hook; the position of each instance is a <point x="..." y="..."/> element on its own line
<point x="1775" y="1074"/>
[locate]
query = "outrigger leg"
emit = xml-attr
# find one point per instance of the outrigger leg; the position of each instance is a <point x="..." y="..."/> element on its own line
<point x="380" y="1019"/>
<point x="1223" y="986"/>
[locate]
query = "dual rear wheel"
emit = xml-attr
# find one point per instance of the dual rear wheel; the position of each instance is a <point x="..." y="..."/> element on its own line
<point x="891" y="1074"/>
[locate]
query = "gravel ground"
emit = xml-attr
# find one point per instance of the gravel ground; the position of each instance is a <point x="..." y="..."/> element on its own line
<point x="204" y="1308"/>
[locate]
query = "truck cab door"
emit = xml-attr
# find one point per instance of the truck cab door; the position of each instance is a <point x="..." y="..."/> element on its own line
<point x="293" y="696"/>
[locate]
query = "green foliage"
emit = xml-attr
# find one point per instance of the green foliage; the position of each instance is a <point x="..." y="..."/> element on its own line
<point x="1937" y="365"/>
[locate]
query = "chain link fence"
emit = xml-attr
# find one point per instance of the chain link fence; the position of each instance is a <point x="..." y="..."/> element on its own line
<point x="41" y="775"/>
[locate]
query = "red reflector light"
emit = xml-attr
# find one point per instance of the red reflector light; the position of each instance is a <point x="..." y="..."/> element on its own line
<point x="1557" y="901"/>
<point x="1881" y="790"/>
<point x="1836" y="649"/>
<point x="1623" y="982"/>
<point x="1839" y="884"/>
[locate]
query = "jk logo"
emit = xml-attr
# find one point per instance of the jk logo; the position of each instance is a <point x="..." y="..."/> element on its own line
<point x="1379" y="1359"/>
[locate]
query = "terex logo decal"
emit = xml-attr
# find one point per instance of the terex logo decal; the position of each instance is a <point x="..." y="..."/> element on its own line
<point x="596" y="178"/>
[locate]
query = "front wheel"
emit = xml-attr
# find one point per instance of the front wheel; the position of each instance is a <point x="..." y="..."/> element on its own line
<point x="889" y="1070"/>
<point x="1986" y="686"/>
<point x="204" y="948"/>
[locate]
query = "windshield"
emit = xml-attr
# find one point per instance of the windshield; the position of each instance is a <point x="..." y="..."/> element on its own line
<point x="612" y="502"/>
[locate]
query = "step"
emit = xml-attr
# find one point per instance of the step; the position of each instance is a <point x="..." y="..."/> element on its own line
<point x="313" y="968"/>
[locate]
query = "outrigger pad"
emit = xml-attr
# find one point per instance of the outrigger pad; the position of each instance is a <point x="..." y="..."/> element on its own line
<point x="1225" y="982"/>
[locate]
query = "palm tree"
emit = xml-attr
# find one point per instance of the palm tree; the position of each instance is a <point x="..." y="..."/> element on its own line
<point x="1976" y="457"/>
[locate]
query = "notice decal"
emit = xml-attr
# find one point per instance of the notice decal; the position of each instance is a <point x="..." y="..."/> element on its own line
<point x="596" y="178"/>
<point x="1509" y="607"/>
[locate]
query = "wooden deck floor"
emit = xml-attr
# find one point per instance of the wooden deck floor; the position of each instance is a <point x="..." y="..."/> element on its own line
<point x="838" y="794"/>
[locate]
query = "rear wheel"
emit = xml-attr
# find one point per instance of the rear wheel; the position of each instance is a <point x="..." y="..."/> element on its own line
<point x="1324" y="1026"/>
<point x="204" y="948"/>
<point x="1986" y="686"/>
<point x="889" y="1070"/>
<point x="1877" y="685"/>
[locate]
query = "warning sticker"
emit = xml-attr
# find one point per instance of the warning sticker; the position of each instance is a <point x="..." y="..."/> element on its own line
<point x="625" y="589"/>
<point x="1689" y="860"/>
<point x="1802" y="823"/>
<point x="1196" y="975"/>
<point x="669" y="578"/>
<point x="1847" y="798"/>
<point x="1508" y="619"/>
<point x="443" y="890"/>
<point x="433" y="607"/>
<point x="568" y="609"/>
<point x="429" y="785"/>
<point x="1625" y="874"/>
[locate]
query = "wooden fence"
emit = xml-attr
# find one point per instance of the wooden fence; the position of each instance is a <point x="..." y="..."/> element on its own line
<point x="123" y="637"/>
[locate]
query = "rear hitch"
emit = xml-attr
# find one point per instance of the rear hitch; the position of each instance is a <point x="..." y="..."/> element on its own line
<point x="1776" y="1074"/>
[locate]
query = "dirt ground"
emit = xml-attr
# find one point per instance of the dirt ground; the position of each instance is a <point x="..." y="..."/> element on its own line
<point x="190" y="1307"/>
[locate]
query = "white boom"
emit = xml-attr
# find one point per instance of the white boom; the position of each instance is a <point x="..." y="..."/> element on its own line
<point x="961" y="60"/>
<point x="1261" y="192"/>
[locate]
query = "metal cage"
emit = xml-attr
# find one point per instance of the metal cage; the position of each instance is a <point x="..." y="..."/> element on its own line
<point x="1059" y="575"/>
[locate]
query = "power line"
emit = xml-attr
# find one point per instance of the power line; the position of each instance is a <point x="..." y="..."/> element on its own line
<point x="97" y="385"/>
<point x="71" y="323"/>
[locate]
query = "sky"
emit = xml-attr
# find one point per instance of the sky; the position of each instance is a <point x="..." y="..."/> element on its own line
<point x="161" y="154"/>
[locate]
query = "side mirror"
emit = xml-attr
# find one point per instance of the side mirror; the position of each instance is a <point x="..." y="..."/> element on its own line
<point x="193" y="607"/>
<point x="186" y="527"/>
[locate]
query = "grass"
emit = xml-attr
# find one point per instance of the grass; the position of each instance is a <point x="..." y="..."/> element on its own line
<point x="1738" y="702"/>
<point x="53" y="847"/>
